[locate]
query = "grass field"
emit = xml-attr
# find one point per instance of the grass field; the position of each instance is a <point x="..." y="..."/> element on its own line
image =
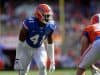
<point x="57" y="72"/>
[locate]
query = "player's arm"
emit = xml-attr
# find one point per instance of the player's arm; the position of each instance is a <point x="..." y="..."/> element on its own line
<point x="49" y="39"/>
<point x="23" y="34"/>
<point x="84" y="43"/>
<point x="50" y="48"/>
<point x="50" y="52"/>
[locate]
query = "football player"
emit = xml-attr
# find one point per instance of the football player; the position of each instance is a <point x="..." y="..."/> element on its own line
<point x="34" y="31"/>
<point x="90" y="45"/>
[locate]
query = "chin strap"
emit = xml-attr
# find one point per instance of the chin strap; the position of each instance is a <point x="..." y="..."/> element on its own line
<point x="50" y="52"/>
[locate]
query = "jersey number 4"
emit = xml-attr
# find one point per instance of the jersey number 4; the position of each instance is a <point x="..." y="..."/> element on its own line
<point x="35" y="39"/>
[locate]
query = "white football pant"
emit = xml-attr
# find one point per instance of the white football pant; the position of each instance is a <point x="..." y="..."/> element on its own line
<point x="24" y="56"/>
<point x="91" y="56"/>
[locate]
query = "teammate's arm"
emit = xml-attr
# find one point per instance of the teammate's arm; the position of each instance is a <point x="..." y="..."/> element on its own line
<point x="84" y="44"/>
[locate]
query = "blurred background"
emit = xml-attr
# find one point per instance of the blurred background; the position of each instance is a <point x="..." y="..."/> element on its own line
<point x="71" y="17"/>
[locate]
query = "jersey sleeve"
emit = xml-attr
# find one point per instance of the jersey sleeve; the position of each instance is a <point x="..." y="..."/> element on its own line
<point x="87" y="31"/>
<point x="52" y="26"/>
<point x="27" y="23"/>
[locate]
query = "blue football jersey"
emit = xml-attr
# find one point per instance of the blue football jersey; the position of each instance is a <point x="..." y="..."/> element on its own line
<point x="37" y="34"/>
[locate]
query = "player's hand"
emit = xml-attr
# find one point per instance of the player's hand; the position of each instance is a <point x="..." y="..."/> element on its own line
<point x="52" y="68"/>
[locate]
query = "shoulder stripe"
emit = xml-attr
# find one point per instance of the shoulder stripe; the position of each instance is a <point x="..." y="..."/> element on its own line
<point x="25" y="25"/>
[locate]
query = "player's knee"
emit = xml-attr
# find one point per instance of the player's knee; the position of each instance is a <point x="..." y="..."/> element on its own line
<point x="18" y="65"/>
<point x="22" y="72"/>
<point x="42" y="67"/>
<point x="82" y="66"/>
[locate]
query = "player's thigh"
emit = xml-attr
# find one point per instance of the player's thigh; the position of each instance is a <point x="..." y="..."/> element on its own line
<point x="91" y="56"/>
<point x="40" y="57"/>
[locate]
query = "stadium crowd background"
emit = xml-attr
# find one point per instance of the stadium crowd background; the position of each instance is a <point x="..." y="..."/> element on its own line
<point x="77" y="14"/>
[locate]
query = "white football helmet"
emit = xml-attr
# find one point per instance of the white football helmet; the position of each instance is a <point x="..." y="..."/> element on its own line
<point x="95" y="19"/>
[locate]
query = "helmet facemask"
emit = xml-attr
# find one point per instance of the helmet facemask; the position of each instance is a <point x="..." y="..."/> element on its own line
<point x="47" y="17"/>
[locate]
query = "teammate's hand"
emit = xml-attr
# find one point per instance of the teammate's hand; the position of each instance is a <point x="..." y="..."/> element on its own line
<point x="52" y="68"/>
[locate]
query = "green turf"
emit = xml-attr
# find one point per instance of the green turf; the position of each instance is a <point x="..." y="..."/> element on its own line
<point x="35" y="72"/>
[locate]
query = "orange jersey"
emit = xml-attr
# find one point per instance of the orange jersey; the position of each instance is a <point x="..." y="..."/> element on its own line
<point x="92" y="32"/>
